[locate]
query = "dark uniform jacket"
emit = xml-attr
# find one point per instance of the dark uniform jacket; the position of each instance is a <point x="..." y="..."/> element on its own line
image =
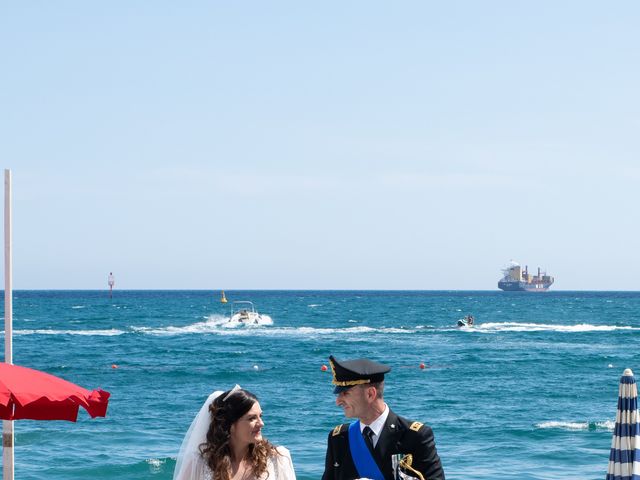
<point x="396" y="436"/>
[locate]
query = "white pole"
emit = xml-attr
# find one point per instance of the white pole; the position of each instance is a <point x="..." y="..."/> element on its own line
<point x="7" y="426"/>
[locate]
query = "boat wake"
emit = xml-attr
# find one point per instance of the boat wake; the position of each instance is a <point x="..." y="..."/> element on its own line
<point x="221" y="326"/>
<point x="262" y="321"/>
<point x="544" y="327"/>
<point x="211" y="324"/>
<point x="606" y="425"/>
<point x="100" y="333"/>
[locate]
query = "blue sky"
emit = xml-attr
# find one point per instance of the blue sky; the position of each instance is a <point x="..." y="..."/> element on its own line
<point x="332" y="145"/>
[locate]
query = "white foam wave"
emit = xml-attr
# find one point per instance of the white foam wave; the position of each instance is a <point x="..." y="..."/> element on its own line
<point x="216" y="320"/>
<point x="226" y="328"/>
<point x="155" y="464"/>
<point x="544" y="327"/>
<point x="314" y="305"/>
<point x="312" y="331"/>
<point x="609" y="424"/>
<point x="264" y="320"/>
<point x="102" y="333"/>
<point x="78" y="306"/>
<point x="211" y="324"/>
<point x="606" y="425"/>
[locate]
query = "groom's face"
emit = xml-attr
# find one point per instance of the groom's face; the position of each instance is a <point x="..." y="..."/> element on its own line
<point x="352" y="401"/>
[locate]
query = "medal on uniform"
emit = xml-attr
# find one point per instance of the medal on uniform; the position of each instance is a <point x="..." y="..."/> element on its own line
<point x="402" y="469"/>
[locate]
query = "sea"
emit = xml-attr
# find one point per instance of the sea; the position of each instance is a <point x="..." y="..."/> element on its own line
<point x="530" y="392"/>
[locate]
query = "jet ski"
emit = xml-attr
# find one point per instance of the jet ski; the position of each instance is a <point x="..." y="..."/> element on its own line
<point x="467" y="321"/>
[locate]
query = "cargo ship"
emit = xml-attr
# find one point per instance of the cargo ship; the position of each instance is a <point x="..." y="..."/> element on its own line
<point x="517" y="280"/>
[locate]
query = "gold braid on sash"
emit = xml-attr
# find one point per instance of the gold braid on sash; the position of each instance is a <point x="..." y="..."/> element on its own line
<point x="406" y="464"/>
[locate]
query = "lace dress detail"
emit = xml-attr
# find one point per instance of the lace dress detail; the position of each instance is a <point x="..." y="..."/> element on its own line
<point x="279" y="467"/>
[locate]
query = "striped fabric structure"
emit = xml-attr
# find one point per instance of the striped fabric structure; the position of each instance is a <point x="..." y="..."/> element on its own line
<point x="624" y="460"/>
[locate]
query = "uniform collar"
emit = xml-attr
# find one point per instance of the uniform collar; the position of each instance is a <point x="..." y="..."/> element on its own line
<point x="378" y="424"/>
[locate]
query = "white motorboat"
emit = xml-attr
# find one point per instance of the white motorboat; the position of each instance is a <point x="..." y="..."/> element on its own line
<point x="244" y="312"/>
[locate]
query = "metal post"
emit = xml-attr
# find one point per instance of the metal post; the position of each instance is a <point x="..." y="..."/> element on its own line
<point x="7" y="425"/>
<point x="111" y="282"/>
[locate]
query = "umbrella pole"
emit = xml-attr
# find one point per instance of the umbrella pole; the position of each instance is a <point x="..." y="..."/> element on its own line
<point x="7" y="425"/>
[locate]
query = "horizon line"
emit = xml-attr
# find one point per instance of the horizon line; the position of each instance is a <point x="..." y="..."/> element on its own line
<point x="296" y="290"/>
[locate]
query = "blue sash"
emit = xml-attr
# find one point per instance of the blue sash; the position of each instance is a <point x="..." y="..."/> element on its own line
<point x="361" y="455"/>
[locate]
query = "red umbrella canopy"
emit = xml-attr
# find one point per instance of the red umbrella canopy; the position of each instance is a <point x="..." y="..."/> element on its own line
<point x="31" y="394"/>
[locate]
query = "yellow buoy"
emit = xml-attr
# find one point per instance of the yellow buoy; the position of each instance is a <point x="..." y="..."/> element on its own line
<point x="223" y="299"/>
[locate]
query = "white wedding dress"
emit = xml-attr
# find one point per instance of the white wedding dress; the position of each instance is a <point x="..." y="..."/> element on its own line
<point x="191" y="466"/>
<point x="279" y="467"/>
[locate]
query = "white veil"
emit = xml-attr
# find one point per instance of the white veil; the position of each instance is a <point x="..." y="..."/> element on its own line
<point x="189" y="464"/>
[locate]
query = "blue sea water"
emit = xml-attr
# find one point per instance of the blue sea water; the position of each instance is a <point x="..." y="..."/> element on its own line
<point x="529" y="393"/>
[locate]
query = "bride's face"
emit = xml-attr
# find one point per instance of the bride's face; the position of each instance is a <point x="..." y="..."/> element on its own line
<point x="248" y="428"/>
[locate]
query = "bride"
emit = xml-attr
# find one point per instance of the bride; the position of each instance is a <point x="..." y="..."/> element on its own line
<point x="224" y="442"/>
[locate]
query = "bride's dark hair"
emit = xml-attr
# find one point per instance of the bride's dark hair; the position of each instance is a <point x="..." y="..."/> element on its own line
<point x="226" y="410"/>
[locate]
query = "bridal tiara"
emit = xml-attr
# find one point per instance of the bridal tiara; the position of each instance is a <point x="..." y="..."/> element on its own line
<point x="231" y="392"/>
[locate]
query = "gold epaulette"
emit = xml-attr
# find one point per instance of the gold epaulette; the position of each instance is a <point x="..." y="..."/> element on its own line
<point x="336" y="431"/>
<point x="415" y="426"/>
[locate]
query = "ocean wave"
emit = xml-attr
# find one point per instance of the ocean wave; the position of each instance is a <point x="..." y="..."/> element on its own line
<point x="558" y="425"/>
<point x="142" y="468"/>
<point x="101" y="333"/>
<point x="546" y="327"/>
<point x="156" y="464"/>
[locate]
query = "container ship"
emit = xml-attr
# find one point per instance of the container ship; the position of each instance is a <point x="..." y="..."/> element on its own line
<point x="517" y="280"/>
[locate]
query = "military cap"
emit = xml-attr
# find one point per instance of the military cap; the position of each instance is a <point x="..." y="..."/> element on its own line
<point x="349" y="373"/>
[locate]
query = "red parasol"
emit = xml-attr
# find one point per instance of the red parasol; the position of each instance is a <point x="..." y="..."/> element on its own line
<point x="31" y="394"/>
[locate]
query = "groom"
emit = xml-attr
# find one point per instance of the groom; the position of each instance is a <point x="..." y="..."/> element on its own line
<point x="372" y="446"/>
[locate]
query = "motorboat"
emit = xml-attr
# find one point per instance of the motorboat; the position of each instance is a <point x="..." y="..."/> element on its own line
<point x="467" y="321"/>
<point x="244" y="312"/>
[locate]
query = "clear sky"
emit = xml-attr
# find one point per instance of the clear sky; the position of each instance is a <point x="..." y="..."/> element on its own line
<point x="329" y="145"/>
